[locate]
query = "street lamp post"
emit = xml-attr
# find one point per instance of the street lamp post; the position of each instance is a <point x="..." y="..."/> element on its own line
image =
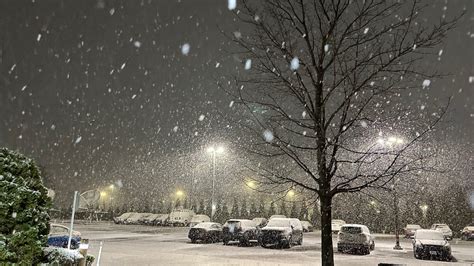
<point x="397" y="235"/>
<point x="390" y="142"/>
<point x="213" y="151"/>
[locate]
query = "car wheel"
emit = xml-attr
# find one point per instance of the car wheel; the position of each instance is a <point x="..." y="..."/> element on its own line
<point x="226" y="242"/>
<point x="372" y="247"/>
<point x="339" y="249"/>
<point x="193" y="240"/>
<point x="417" y="256"/>
<point x="300" y="240"/>
<point x="289" y="243"/>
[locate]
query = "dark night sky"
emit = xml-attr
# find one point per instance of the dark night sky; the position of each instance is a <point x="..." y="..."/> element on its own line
<point x="98" y="89"/>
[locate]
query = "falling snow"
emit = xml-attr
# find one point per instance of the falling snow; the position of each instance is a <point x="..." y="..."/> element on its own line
<point x="185" y="49"/>
<point x="295" y="63"/>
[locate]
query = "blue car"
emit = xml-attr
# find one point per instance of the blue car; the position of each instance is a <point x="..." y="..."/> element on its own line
<point x="59" y="235"/>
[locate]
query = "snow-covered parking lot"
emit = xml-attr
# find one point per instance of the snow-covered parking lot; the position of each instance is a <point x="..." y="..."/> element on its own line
<point x="145" y="245"/>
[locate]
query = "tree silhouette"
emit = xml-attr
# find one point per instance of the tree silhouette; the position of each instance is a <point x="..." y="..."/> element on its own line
<point x="235" y="213"/>
<point x="271" y="209"/>
<point x="326" y="78"/>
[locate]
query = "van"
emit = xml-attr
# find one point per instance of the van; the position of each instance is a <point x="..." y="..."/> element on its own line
<point x="180" y="217"/>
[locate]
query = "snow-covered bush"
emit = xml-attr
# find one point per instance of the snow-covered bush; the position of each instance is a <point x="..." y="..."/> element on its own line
<point x="63" y="256"/>
<point x="24" y="204"/>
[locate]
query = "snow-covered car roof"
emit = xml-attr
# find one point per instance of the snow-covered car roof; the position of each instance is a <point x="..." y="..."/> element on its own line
<point x="74" y="232"/>
<point x="279" y="222"/>
<point x="205" y="225"/>
<point x="470" y="228"/>
<point x="417" y="226"/>
<point x="429" y="234"/>
<point x="354" y="225"/>
<point x="277" y="216"/>
<point x="243" y="222"/>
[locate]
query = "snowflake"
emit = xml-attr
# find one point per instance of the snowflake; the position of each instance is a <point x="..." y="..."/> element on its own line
<point x="295" y="63"/>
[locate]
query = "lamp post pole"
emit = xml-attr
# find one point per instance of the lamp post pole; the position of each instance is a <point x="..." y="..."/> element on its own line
<point x="213" y="206"/>
<point x="397" y="235"/>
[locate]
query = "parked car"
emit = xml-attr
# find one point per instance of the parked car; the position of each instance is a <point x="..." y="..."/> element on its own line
<point x="444" y="229"/>
<point x="431" y="244"/>
<point x="277" y="216"/>
<point x="144" y="217"/>
<point x="121" y="219"/>
<point x="162" y="219"/>
<point x="134" y="218"/>
<point x="282" y="232"/>
<point x="150" y="220"/>
<point x="336" y="225"/>
<point x="307" y="226"/>
<point x="355" y="237"/>
<point x="467" y="233"/>
<point x="260" y="221"/>
<point x="199" y="218"/>
<point x="59" y="236"/>
<point x="181" y="217"/>
<point x="241" y="230"/>
<point x="206" y="232"/>
<point x="410" y="230"/>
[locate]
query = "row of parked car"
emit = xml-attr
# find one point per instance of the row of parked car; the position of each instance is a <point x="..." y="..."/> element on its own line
<point x="278" y="231"/>
<point x="467" y="233"/>
<point x="184" y="217"/>
<point x="427" y="243"/>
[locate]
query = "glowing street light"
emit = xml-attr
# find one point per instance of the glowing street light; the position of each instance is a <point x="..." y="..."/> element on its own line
<point x="424" y="209"/>
<point x="291" y="193"/>
<point x="179" y="193"/>
<point x="213" y="151"/>
<point x="103" y="194"/>
<point x="251" y="184"/>
<point x="112" y="187"/>
<point x="390" y="141"/>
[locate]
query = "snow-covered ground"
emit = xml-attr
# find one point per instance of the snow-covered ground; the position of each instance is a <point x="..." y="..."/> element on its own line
<point x="145" y="245"/>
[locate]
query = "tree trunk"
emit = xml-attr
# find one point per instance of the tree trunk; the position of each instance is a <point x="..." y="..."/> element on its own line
<point x="327" y="256"/>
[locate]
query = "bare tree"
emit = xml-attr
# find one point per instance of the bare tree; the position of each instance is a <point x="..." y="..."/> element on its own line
<point x="325" y="85"/>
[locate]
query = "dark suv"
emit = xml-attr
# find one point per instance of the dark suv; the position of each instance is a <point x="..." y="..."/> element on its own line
<point x="241" y="230"/>
<point x="282" y="232"/>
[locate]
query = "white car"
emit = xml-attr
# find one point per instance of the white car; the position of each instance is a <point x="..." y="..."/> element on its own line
<point x="336" y="225"/>
<point x="162" y="219"/>
<point x="277" y="216"/>
<point x="430" y="244"/>
<point x="199" y="218"/>
<point x="444" y="229"/>
<point x="144" y="217"/>
<point x="355" y="237"/>
<point x="122" y="218"/>
<point x="134" y="218"/>
<point x="410" y="230"/>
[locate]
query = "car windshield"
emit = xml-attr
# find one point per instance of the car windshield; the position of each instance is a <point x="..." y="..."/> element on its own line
<point x="351" y="229"/>
<point x="429" y="235"/>
<point x="278" y="223"/>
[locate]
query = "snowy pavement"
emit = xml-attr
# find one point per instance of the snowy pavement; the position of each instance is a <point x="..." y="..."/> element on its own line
<point x="146" y="245"/>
